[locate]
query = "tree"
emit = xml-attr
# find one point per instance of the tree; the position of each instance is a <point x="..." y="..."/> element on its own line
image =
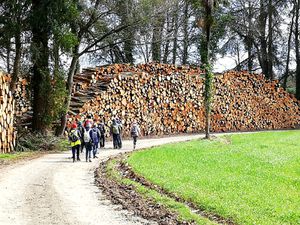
<point x="40" y="59"/>
<point x="90" y="34"/>
<point x="208" y="6"/>
<point x="297" y="48"/>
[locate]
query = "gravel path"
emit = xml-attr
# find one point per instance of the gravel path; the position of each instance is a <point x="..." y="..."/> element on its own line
<point x="54" y="190"/>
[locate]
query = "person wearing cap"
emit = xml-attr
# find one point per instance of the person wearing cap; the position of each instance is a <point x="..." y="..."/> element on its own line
<point x="135" y="132"/>
<point x="74" y="138"/>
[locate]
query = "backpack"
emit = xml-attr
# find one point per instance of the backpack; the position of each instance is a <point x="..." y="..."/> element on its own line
<point x="86" y="136"/>
<point x="81" y="132"/>
<point x="115" y="129"/>
<point x="74" y="136"/>
<point x="101" y="128"/>
<point x="95" y="135"/>
<point x="134" y="131"/>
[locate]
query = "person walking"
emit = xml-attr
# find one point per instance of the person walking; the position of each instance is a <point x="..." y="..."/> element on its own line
<point x="95" y="135"/>
<point x="119" y="122"/>
<point x="74" y="138"/>
<point x="101" y="127"/>
<point x="87" y="142"/>
<point x="135" y="132"/>
<point x="115" y="132"/>
<point x="81" y="131"/>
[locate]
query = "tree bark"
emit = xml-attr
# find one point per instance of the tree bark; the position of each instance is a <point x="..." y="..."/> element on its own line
<point x="167" y="44"/>
<point x="41" y="76"/>
<point x="249" y="38"/>
<point x="185" y="34"/>
<point x="205" y="60"/>
<point x="8" y="50"/>
<point x="72" y="69"/>
<point x="157" y="38"/>
<point x="16" y="69"/>
<point x="175" y="35"/>
<point x="262" y="38"/>
<point x="270" y="43"/>
<point x="297" y="3"/>
<point x="286" y="74"/>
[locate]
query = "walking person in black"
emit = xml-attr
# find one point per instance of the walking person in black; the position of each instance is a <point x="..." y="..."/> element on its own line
<point x="101" y="128"/>
<point x="119" y="122"/>
<point x="135" y="132"/>
<point x="115" y="131"/>
<point x="81" y="131"/>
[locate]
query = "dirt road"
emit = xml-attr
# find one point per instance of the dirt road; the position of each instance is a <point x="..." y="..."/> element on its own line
<point x="54" y="190"/>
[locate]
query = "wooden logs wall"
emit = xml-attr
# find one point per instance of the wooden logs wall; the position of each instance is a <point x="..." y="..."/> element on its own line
<point x="166" y="99"/>
<point x="7" y="104"/>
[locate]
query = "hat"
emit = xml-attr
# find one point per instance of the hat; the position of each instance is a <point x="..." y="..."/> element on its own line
<point x="74" y="126"/>
<point x="88" y="124"/>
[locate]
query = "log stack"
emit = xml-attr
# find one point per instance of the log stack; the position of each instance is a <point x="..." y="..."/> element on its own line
<point x="7" y="105"/>
<point x="167" y="99"/>
<point x="21" y="96"/>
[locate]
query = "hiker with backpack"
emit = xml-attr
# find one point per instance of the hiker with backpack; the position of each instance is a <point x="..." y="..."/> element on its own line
<point x="135" y="132"/>
<point x="115" y="130"/>
<point x="101" y="127"/>
<point x="88" y="144"/>
<point x="95" y="135"/>
<point x="74" y="138"/>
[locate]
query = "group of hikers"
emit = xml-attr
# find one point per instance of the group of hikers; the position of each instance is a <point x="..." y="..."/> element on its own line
<point x="90" y="136"/>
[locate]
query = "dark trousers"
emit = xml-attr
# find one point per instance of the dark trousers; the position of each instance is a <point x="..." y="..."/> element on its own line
<point x="95" y="148"/>
<point x="134" y="141"/>
<point x="88" y="149"/>
<point x="75" y="151"/>
<point x="102" y="141"/>
<point x="82" y="146"/>
<point x="117" y="141"/>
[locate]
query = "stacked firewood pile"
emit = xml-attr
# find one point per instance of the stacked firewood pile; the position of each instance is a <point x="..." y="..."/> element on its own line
<point x="166" y="99"/>
<point x="21" y="96"/>
<point x="247" y="102"/>
<point x="7" y="104"/>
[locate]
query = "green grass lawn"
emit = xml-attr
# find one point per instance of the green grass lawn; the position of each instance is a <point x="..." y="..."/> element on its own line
<point x="251" y="178"/>
<point x="15" y="156"/>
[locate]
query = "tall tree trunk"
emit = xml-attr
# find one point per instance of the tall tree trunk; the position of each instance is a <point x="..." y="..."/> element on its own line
<point x="286" y="74"/>
<point x="263" y="39"/>
<point x="297" y="3"/>
<point x="185" y="34"/>
<point x="205" y="60"/>
<point x="8" y="51"/>
<point x="16" y="69"/>
<point x="167" y="43"/>
<point x="270" y="43"/>
<point x="41" y="75"/>
<point x="175" y="35"/>
<point x="249" y="38"/>
<point x="157" y="37"/>
<point x="129" y="46"/>
<point x="72" y="69"/>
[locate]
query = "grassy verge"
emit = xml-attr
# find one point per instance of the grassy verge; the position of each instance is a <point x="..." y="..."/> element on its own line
<point x="184" y="212"/>
<point x="32" y="150"/>
<point x="251" y="178"/>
